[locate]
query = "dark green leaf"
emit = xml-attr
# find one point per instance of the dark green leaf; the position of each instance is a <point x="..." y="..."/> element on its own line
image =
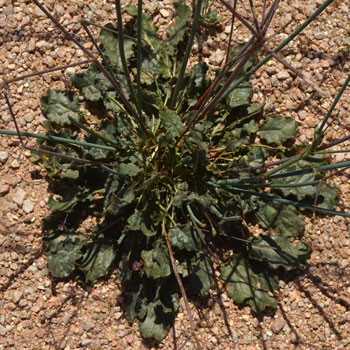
<point x="153" y="303"/>
<point x="63" y="252"/>
<point x="59" y="106"/>
<point x="184" y="237"/>
<point x="283" y="218"/>
<point x="240" y="96"/>
<point x="176" y="33"/>
<point x="66" y="205"/>
<point x="277" y="251"/>
<point x="246" y="285"/>
<point x="201" y="275"/>
<point x="156" y="262"/>
<point x="278" y="129"/>
<point x="96" y="260"/>
<point x="111" y="48"/>
<point x="171" y="121"/>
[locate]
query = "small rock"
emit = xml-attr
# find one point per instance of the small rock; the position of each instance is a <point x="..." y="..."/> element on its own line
<point x="87" y="325"/>
<point x="165" y="13"/>
<point x="29" y="117"/>
<point x="70" y="70"/>
<point x="3" y="156"/>
<point x="217" y="57"/>
<point x="278" y="324"/>
<point x="2" y="330"/>
<point x="339" y="157"/>
<point x="28" y="206"/>
<point x="345" y="300"/>
<point x="85" y="342"/>
<point x="319" y="36"/>
<point x="8" y="10"/>
<point x="118" y="315"/>
<point x="17" y="295"/>
<point x="40" y="333"/>
<point x="14" y="164"/>
<point x="4" y="189"/>
<point x="283" y="75"/>
<point x="302" y="115"/>
<point x="274" y="81"/>
<point x="18" y="197"/>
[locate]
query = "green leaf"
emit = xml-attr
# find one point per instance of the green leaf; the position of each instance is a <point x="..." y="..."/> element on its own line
<point x="278" y="129"/>
<point x="63" y="252"/>
<point x="154" y="303"/>
<point x="66" y="205"/>
<point x="134" y="221"/>
<point x="60" y="105"/>
<point x="96" y="260"/>
<point x="171" y="121"/>
<point x="176" y="33"/>
<point x="129" y="169"/>
<point x="201" y="275"/>
<point x="283" y="218"/>
<point x="330" y="197"/>
<point x="240" y="96"/>
<point x="277" y="251"/>
<point x="111" y="47"/>
<point x="184" y="237"/>
<point x="156" y="263"/>
<point x="246" y="285"/>
<point x="90" y="83"/>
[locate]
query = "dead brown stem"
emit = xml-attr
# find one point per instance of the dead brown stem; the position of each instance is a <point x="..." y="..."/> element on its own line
<point x="22" y="77"/>
<point x="182" y="289"/>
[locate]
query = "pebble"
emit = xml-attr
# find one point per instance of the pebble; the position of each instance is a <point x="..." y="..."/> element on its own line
<point x="87" y="325"/>
<point x="16" y="296"/>
<point x="29" y="117"/>
<point x="283" y="75"/>
<point x="3" y="156"/>
<point x="28" y="206"/>
<point x="217" y="57"/>
<point x="4" y="189"/>
<point x="18" y="197"/>
<point x="278" y="324"/>
<point x="2" y="330"/>
<point x="70" y="70"/>
<point x="165" y="13"/>
<point x="85" y="342"/>
<point x="14" y="164"/>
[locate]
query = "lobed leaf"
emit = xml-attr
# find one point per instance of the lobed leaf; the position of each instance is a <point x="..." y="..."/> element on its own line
<point x="277" y="251"/>
<point x="277" y="129"/>
<point x="59" y="106"/>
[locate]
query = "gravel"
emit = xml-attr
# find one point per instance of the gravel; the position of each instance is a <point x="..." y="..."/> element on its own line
<point x="313" y="310"/>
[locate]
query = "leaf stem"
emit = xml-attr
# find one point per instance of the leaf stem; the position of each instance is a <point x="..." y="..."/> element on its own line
<point x="187" y="53"/>
<point x="182" y="289"/>
<point x="56" y="139"/>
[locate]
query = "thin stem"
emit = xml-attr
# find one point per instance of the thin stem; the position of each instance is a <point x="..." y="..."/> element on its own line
<point x="182" y="289"/>
<point x="92" y="132"/>
<point x="290" y="202"/>
<point x="121" y="49"/>
<point x="325" y="119"/>
<point x="277" y="49"/>
<point x="139" y="57"/>
<point x="295" y="71"/>
<point x="56" y="139"/>
<point x="70" y="37"/>
<point x="231" y="34"/>
<point x="215" y="99"/>
<point x="26" y="76"/>
<point x="187" y="53"/>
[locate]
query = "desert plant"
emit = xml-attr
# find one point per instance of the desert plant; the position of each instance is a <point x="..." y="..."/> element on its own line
<point x="175" y="171"/>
